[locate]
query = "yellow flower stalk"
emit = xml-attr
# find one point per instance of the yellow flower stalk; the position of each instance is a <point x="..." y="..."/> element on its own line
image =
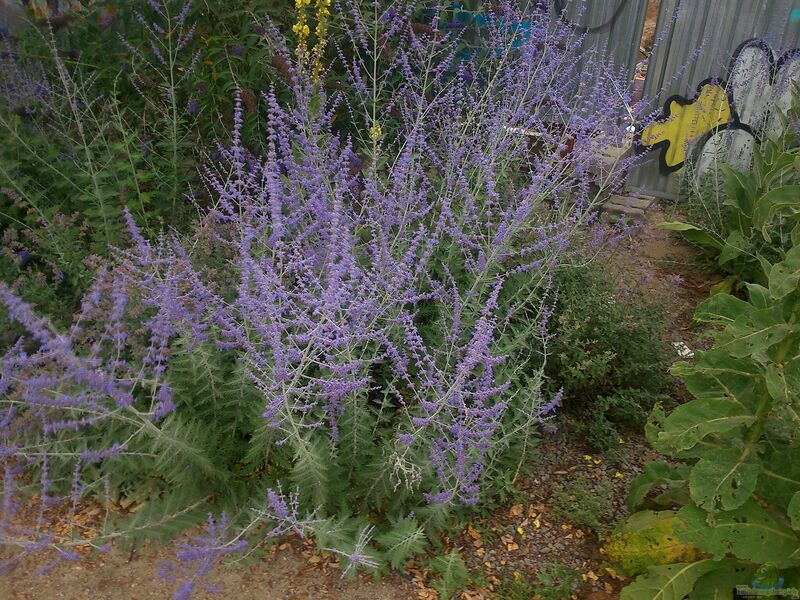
<point x="323" y="12"/>
<point x="301" y="28"/>
<point x="375" y="132"/>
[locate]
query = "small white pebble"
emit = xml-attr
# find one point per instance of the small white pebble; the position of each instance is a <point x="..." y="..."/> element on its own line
<point x="683" y="350"/>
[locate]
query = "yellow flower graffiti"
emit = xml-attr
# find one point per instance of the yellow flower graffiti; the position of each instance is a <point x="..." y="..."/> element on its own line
<point x="685" y="122"/>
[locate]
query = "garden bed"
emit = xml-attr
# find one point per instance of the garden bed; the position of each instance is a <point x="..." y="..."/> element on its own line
<point x="504" y="549"/>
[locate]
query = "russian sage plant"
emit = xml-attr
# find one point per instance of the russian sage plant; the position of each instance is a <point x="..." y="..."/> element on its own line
<point x="359" y="317"/>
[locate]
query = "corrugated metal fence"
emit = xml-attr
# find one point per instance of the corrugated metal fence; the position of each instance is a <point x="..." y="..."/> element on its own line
<point x="695" y="41"/>
<point x="611" y="28"/>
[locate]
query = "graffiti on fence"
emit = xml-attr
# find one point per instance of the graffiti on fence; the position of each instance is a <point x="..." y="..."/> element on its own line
<point x="684" y="121"/>
<point x="726" y="118"/>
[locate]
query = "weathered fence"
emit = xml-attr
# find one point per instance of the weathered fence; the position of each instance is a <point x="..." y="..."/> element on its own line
<point x="719" y="70"/>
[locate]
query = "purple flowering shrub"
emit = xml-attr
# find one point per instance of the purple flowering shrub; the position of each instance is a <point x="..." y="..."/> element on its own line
<point x="361" y="320"/>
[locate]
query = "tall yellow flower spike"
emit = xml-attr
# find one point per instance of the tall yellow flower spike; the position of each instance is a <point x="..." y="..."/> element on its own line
<point x="301" y="28"/>
<point x="323" y="10"/>
<point x="685" y="122"/>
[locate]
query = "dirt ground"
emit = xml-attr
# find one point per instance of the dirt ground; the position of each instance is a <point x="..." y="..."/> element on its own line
<point x="286" y="574"/>
<point x="650" y="20"/>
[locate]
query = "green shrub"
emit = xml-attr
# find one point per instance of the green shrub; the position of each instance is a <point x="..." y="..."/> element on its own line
<point x="606" y="354"/>
<point x="585" y="503"/>
<point x="739" y="498"/>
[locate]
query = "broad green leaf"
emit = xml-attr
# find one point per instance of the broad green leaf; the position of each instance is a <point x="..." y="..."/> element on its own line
<point x="758" y="295"/>
<point x="655" y="474"/>
<point x="726" y="286"/>
<point x="754" y="332"/>
<point x="722" y="482"/>
<point x="766" y="266"/>
<point x="784" y="278"/>
<point x="741" y="193"/>
<point x="716" y="374"/>
<point x="777" y="385"/>
<point x="646" y="540"/>
<point x="791" y="373"/>
<point x="793" y="511"/>
<point x="721" y="308"/>
<point x="796" y="235"/>
<point x="734" y="247"/>
<point x="784" y="200"/>
<point x="668" y="582"/>
<point x="692" y="233"/>
<point x="748" y="533"/>
<point x="720" y="584"/>
<point x="779" y="479"/>
<point x="759" y="169"/>
<point x="691" y="422"/>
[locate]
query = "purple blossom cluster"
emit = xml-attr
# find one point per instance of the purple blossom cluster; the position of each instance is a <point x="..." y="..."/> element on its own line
<point x="61" y="390"/>
<point x="409" y="258"/>
<point x="334" y="258"/>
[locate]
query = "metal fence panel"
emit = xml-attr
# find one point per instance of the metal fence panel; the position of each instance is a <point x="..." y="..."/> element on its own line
<point x="610" y="28"/>
<point x="695" y="41"/>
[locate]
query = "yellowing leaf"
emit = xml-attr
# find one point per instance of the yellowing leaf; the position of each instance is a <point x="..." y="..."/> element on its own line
<point x="647" y="540"/>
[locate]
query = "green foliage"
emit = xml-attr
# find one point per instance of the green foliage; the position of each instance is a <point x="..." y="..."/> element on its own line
<point x="606" y="354"/>
<point x="742" y="218"/>
<point x="673" y="582"/>
<point x="553" y="582"/>
<point x="453" y="574"/>
<point x="405" y="539"/>
<point x="556" y="582"/>
<point x="584" y="502"/>
<point x="115" y="130"/>
<point x="740" y="436"/>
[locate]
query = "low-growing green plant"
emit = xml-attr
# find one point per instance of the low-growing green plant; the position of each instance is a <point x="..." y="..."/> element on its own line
<point x="553" y="582"/>
<point x="585" y="502"/>
<point x="606" y="354"/>
<point x="452" y="572"/>
<point x="738" y="500"/>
